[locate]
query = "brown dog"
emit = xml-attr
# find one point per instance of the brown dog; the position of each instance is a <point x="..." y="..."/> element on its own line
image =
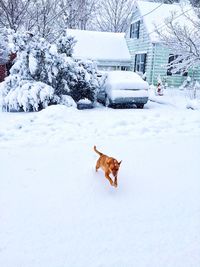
<point x="109" y="166"/>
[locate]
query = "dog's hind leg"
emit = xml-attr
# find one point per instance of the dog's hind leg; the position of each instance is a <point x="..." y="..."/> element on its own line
<point x="98" y="164"/>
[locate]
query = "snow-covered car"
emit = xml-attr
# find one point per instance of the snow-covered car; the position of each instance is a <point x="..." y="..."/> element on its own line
<point x="123" y="88"/>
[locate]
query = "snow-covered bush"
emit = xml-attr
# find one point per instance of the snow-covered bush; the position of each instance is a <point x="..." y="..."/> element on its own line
<point x="84" y="82"/>
<point x="186" y="83"/>
<point x="191" y="90"/>
<point x="39" y="61"/>
<point x="81" y="76"/>
<point x="29" y="95"/>
<point x="192" y="93"/>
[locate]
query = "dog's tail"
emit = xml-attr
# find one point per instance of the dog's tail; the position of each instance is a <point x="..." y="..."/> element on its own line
<point x="95" y="149"/>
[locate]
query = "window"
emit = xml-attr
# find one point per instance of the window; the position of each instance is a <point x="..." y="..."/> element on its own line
<point x="124" y="68"/>
<point x="140" y="62"/>
<point x="135" y="30"/>
<point x="169" y="70"/>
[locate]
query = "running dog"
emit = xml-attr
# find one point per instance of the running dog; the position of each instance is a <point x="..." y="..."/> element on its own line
<point x="109" y="165"/>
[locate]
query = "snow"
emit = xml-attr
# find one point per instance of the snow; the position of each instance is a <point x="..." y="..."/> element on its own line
<point x="33" y="65"/>
<point x="120" y="80"/>
<point x="67" y="101"/>
<point x="84" y="101"/>
<point x="107" y="46"/>
<point x="115" y="94"/>
<point x="175" y="97"/>
<point x="156" y="15"/>
<point x="57" y="211"/>
<point x="53" y="49"/>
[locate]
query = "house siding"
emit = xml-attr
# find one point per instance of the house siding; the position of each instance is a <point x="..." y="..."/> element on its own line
<point x="157" y="56"/>
<point x="112" y="65"/>
<point x="140" y="45"/>
<point x="161" y="59"/>
<point x="195" y="74"/>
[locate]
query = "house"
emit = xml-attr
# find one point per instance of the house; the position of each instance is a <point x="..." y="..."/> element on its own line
<point x="5" y="65"/>
<point x="148" y="54"/>
<point x="109" y="50"/>
<point x="3" y="61"/>
<point x="3" y="72"/>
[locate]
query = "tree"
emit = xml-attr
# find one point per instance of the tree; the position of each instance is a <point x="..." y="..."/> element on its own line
<point x="183" y="39"/>
<point x="78" y="13"/>
<point x="195" y="3"/>
<point x="45" y="18"/>
<point x="166" y="1"/>
<point x="114" y="15"/>
<point x="48" y="18"/>
<point x="4" y="51"/>
<point x="13" y="13"/>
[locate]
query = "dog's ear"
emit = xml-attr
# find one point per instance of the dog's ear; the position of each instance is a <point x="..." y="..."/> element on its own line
<point x="120" y="162"/>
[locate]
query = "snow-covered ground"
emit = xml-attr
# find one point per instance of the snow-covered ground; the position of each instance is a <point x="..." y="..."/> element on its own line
<point x="56" y="211"/>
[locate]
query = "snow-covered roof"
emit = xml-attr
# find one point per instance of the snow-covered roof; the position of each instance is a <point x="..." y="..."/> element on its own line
<point x="155" y="15"/>
<point x="100" y="46"/>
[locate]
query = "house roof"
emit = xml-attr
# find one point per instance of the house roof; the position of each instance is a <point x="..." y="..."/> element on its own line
<point x="156" y="14"/>
<point x="100" y="46"/>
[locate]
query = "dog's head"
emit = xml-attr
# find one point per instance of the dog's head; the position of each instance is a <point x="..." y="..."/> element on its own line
<point x="114" y="167"/>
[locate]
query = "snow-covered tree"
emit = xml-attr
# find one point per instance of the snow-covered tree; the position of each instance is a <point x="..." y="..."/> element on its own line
<point x="195" y="3"/>
<point x="20" y="90"/>
<point x="114" y="15"/>
<point x="13" y="13"/>
<point x="48" y="18"/>
<point x="182" y="36"/>
<point x="4" y="51"/>
<point x="79" y="14"/>
<point x="41" y="74"/>
<point x="47" y="15"/>
<point x="165" y="1"/>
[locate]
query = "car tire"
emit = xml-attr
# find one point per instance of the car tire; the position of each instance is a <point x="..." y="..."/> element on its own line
<point x="140" y="105"/>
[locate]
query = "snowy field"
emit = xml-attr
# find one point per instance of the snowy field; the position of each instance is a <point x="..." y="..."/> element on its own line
<point x="56" y="211"/>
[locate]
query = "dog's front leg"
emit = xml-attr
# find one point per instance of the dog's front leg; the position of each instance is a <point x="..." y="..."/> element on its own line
<point x="108" y="177"/>
<point x="115" y="182"/>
